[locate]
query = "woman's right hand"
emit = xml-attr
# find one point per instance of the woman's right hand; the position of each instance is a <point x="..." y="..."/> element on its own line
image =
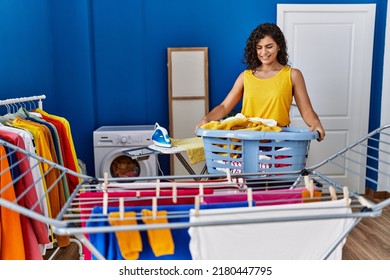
<point x="202" y="122"/>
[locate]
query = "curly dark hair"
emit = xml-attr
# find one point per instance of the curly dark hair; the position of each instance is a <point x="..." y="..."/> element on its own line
<point x="266" y="29"/>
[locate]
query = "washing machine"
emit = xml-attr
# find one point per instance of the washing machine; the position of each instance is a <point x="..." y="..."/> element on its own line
<point x="110" y="142"/>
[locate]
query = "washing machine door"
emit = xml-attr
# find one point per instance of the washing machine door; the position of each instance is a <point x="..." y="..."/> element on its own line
<point x="120" y="165"/>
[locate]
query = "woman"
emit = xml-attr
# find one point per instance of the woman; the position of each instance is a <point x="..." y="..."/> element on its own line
<point x="268" y="85"/>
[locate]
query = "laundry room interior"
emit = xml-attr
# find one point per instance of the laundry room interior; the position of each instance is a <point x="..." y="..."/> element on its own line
<point x="104" y="63"/>
<point x="134" y="78"/>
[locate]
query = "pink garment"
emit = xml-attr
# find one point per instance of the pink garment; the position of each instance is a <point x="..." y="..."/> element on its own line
<point x="185" y="196"/>
<point x="268" y="197"/>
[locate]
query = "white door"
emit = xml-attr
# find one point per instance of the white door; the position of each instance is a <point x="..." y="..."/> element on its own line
<point x="384" y="181"/>
<point x="332" y="45"/>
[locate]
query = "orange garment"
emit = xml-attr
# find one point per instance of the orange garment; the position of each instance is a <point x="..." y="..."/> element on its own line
<point x="129" y="242"/>
<point x="160" y="240"/>
<point x="11" y="236"/>
<point x="306" y="196"/>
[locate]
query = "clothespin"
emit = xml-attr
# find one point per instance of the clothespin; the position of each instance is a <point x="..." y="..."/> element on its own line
<point x="332" y="192"/>
<point x="363" y="201"/>
<point x="105" y="182"/>
<point x="307" y="181"/>
<point x="154" y="207"/>
<point x="158" y="188"/>
<point x="105" y="194"/>
<point x="201" y="193"/>
<point x="249" y="197"/>
<point x="197" y="205"/>
<point x="174" y="192"/>
<point x="105" y="202"/>
<point x="121" y="208"/>
<point x="346" y="195"/>
<point x="311" y="188"/>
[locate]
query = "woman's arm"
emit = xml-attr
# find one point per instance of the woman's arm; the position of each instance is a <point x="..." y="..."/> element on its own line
<point x="227" y="104"/>
<point x="304" y="104"/>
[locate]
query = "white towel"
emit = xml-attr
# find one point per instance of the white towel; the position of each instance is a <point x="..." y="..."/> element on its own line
<point x="287" y="240"/>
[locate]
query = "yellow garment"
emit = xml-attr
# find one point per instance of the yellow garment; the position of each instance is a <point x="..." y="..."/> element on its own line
<point x="130" y="242"/>
<point x="193" y="147"/>
<point x="268" y="98"/>
<point x="160" y="240"/>
<point x="240" y="123"/>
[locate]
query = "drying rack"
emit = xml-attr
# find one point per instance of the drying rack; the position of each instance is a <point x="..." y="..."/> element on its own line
<point x="70" y="219"/>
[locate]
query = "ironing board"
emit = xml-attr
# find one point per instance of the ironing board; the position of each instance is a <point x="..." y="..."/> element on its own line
<point x="179" y="146"/>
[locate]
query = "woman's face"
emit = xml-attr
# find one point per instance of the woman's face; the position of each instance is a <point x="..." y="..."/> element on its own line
<point x="267" y="50"/>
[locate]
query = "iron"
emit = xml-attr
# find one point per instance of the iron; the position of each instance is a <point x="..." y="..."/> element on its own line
<point x="161" y="137"/>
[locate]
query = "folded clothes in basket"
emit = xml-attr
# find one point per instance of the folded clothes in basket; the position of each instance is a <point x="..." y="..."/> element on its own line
<point x="241" y="122"/>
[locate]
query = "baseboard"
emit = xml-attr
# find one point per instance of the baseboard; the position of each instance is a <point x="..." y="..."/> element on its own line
<point x="377" y="195"/>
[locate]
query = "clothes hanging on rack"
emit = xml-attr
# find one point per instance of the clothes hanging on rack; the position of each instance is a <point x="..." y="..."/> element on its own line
<point x="67" y="145"/>
<point x="38" y="185"/>
<point x="137" y="201"/>
<point x="107" y="243"/>
<point x="34" y="232"/>
<point x="89" y="200"/>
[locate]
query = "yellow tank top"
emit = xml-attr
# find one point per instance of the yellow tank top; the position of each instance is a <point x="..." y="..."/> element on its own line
<point x="268" y="98"/>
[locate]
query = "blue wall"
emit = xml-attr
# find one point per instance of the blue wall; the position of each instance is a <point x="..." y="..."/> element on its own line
<point x="26" y="66"/>
<point x="104" y="62"/>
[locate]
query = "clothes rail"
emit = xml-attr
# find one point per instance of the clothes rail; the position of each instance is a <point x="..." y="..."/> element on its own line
<point x="10" y="101"/>
<point x="24" y="169"/>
